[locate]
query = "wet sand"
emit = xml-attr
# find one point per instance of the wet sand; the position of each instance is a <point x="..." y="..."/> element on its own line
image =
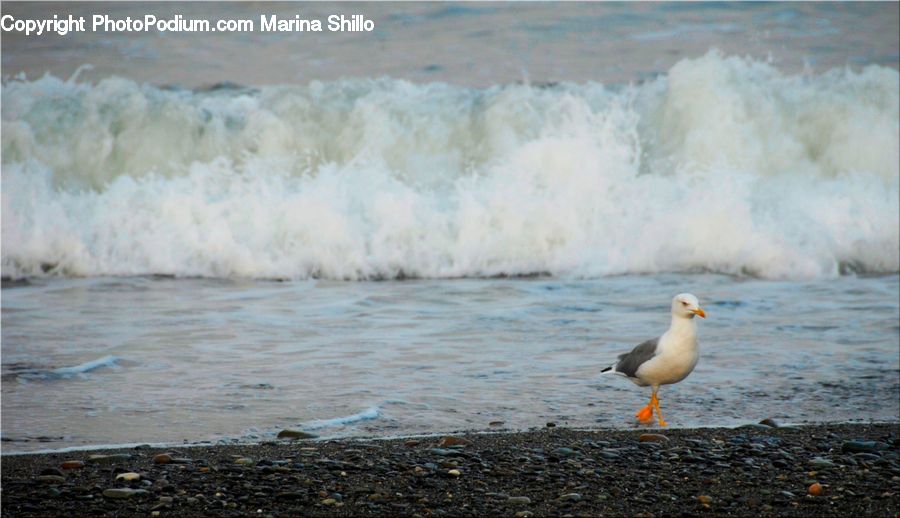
<point x="854" y="469"/>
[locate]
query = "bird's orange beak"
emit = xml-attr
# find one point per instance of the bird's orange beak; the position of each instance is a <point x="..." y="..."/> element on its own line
<point x="699" y="312"/>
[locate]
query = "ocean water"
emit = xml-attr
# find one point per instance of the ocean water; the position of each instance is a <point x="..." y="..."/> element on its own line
<point x="451" y="243"/>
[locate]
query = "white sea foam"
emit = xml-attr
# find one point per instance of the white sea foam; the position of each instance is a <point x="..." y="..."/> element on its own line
<point x="373" y="412"/>
<point x="723" y="164"/>
<point x="68" y="372"/>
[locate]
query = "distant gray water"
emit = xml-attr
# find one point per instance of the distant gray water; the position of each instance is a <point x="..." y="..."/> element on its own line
<point x="125" y="360"/>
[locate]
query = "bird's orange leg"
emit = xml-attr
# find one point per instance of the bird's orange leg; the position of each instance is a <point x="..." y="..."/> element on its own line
<point x="655" y="401"/>
<point x="645" y="414"/>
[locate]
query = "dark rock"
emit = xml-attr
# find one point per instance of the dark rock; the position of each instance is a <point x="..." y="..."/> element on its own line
<point x="518" y="500"/>
<point x="295" y="434"/>
<point x="862" y="446"/>
<point x="123" y="492"/>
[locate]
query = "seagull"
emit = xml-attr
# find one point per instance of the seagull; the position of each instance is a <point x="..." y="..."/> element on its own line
<point x="664" y="360"/>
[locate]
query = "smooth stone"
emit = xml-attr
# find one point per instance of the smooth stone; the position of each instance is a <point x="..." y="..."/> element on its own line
<point x="52" y="471"/>
<point x="564" y="452"/>
<point x="571" y="497"/>
<point x="123" y="492"/>
<point x="524" y="514"/>
<point x="51" y="479"/>
<point x="445" y="452"/>
<point x="518" y="500"/>
<point x="496" y="423"/>
<point x="551" y="424"/>
<point x="608" y="455"/>
<point x="454" y="473"/>
<point x="72" y="464"/>
<point x="769" y="422"/>
<point x="244" y="461"/>
<point x="815" y="489"/>
<point x="453" y="441"/>
<point x="108" y="459"/>
<point x="162" y="458"/>
<point x="820" y="463"/>
<point x="295" y="434"/>
<point x="128" y="477"/>
<point x="705" y="499"/>
<point x="653" y="437"/>
<point x="859" y="446"/>
<point x="329" y="501"/>
<point x="787" y="494"/>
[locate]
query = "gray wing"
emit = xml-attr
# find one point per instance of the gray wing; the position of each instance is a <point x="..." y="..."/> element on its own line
<point x="630" y="362"/>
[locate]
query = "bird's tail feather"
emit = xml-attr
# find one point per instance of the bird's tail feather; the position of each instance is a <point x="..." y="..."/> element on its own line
<point x="608" y="369"/>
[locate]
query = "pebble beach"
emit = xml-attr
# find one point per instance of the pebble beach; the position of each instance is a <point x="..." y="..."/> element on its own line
<point x="757" y="469"/>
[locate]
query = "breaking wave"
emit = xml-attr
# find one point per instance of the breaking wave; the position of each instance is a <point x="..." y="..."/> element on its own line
<point x="723" y="164"/>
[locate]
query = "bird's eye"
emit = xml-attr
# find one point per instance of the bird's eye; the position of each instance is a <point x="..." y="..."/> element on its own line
<point x="684" y="303"/>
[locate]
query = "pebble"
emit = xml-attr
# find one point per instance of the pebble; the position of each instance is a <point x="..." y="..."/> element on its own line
<point x="162" y="458"/>
<point x="443" y="452"/>
<point x="705" y="500"/>
<point x="771" y="423"/>
<point x="129" y="476"/>
<point x="123" y="492"/>
<point x="815" y="489"/>
<point x="524" y="514"/>
<point x="518" y="500"/>
<point x="329" y="501"/>
<point x="570" y="497"/>
<point x="51" y="479"/>
<point x="610" y="455"/>
<point x="72" y="464"/>
<point x="653" y="437"/>
<point x="859" y="446"/>
<point x="496" y="423"/>
<point x="108" y="459"/>
<point x="551" y="424"/>
<point x="454" y="473"/>
<point x="453" y="441"/>
<point x="564" y="452"/>
<point x="244" y="461"/>
<point x="295" y="434"/>
<point x="820" y="463"/>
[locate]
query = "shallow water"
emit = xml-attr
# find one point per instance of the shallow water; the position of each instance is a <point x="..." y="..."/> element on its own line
<point x="188" y="360"/>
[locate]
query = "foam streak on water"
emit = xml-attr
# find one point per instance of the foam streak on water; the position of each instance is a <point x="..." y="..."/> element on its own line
<point x="722" y="164"/>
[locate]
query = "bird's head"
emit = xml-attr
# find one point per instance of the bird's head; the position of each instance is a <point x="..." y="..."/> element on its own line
<point x="686" y="305"/>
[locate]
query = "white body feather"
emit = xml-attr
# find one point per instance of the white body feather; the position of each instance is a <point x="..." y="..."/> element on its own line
<point x="675" y="358"/>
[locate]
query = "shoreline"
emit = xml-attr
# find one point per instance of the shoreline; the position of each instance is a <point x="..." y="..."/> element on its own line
<point x="554" y="471"/>
<point x="273" y="439"/>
